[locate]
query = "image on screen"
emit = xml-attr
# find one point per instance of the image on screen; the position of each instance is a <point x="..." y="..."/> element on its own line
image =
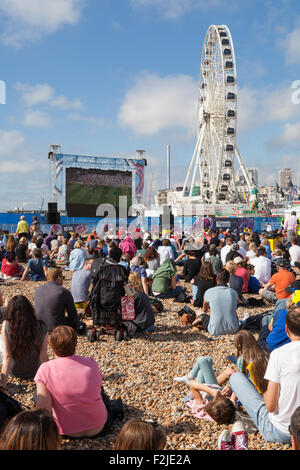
<point x="86" y="189"/>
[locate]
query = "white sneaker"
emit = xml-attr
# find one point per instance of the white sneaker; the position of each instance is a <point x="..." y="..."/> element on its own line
<point x="183" y="379"/>
<point x="239" y="436"/>
<point x="225" y="440"/>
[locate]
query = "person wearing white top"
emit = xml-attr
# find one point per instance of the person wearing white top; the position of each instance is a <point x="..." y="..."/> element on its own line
<point x="174" y="243"/>
<point x="242" y="252"/>
<point x="262" y="266"/>
<point x="294" y="251"/>
<point x="165" y="251"/>
<point x="225" y="250"/>
<point x="268" y="227"/>
<point x="272" y="411"/>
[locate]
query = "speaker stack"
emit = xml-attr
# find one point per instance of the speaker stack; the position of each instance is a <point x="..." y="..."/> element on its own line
<point x="166" y="220"/>
<point x="53" y="216"/>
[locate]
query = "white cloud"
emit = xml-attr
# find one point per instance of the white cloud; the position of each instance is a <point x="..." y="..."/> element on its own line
<point x="248" y="109"/>
<point x="62" y="102"/>
<point x="35" y="118"/>
<point x="10" y="141"/>
<point x="290" y="45"/>
<point x="32" y="95"/>
<point x="174" y="9"/>
<point x="289" y="137"/>
<point x="15" y="154"/>
<point x="92" y="120"/>
<point x="45" y="94"/>
<point x="156" y="103"/>
<point x="29" y="20"/>
<point x="278" y="104"/>
<point x="257" y="107"/>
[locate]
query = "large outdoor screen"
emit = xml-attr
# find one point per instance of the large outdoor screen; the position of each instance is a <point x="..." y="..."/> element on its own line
<point x="86" y="189"/>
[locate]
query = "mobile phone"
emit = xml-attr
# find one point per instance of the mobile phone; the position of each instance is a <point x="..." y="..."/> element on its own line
<point x="232" y="359"/>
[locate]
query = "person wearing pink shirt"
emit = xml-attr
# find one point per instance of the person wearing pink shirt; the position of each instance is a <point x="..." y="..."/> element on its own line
<point x="291" y="226"/>
<point x="70" y="387"/>
<point x="242" y="272"/>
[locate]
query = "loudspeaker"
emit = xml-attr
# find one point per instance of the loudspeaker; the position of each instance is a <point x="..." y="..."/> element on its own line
<point x="166" y="220"/>
<point x="52" y="206"/>
<point x="53" y="218"/>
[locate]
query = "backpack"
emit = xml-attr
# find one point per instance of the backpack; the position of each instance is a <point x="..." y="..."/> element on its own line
<point x="187" y="315"/>
<point x="254" y="302"/>
<point x="254" y="323"/>
<point x="108" y="278"/>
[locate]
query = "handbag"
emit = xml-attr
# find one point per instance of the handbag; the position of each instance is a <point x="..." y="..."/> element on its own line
<point x="127" y="308"/>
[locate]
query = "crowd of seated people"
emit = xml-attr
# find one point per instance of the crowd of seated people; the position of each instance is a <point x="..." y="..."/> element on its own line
<point x="220" y="268"/>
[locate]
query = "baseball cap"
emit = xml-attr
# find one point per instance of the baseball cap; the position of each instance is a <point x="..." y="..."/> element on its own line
<point x="281" y="262"/>
<point x="238" y="260"/>
<point x="293" y="286"/>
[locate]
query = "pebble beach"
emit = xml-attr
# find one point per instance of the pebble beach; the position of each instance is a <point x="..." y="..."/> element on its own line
<point x="141" y="372"/>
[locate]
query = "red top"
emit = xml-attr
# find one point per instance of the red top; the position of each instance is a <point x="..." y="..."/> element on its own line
<point x="243" y="273"/>
<point x="8" y="269"/>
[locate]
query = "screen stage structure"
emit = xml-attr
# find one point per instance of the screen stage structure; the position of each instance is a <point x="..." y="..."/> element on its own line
<point x="81" y="183"/>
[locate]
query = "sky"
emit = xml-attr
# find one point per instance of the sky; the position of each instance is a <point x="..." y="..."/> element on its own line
<point x="108" y="77"/>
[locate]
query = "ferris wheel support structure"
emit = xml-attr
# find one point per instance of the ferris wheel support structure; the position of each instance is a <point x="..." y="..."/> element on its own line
<point x="210" y="177"/>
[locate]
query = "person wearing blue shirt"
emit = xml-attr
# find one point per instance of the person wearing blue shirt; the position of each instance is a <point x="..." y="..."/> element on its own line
<point x="272" y="334"/>
<point x="222" y="301"/>
<point x="77" y="257"/>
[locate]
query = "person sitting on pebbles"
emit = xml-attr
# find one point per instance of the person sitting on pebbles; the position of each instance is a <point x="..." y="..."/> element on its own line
<point x="222" y="301"/>
<point x="208" y="400"/>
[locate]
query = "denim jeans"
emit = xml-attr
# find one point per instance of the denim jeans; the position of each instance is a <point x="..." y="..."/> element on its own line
<point x="262" y="340"/>
<point x="203" y="371"/>
<point x="280" y="305"/>
<point x="270" y="296"/>
<point x="254" y="404"/>
<point x="170" y="293"/>
<point x="195" y="290"/>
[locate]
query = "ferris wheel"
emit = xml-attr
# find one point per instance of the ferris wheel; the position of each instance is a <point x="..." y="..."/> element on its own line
<point x="210" y="176"/>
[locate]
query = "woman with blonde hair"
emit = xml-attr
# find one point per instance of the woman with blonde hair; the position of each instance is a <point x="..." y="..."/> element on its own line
<point x="137" y="265"/>
<point x="136" y="282"/>
<point x="252" y="359"/>
<point x="252" y="252"/>
<point x="235" y="282"/>
<point x="144" y="319"/>
<point x="22" y="251"/>
<point x="77" y="257"/>
<point x="266" y="244"/>
<point x="63" y="252"/>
